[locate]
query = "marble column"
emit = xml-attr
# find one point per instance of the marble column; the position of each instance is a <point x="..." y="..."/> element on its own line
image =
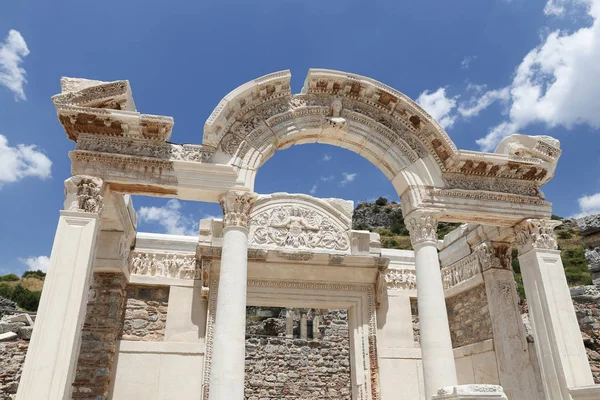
<point x="563" y="362"/>
<point x="439" y="369"/>
<point x="227" y="368"/>
<point x="289" y="323"/>
<point x="303" y="325"/>
<point x="515" y="371"/>
<point x="50" y="364"/>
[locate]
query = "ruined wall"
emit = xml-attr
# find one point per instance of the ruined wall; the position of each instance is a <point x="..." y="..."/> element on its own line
<point x="145" y="313"/>
<point x="469" y="317"/>
<point x="586" y="300"/>
<point x="286" y="368"/>
<point x="102" y="326"/>
<point x="12" y="356"/>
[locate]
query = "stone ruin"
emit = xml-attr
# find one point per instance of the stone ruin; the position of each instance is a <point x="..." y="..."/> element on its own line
<point x="153" y="317"/>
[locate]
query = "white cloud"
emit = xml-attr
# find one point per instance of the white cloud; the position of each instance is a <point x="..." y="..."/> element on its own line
<point x="558" y="82"/>
<point x="18" y="162"/>
<point x="464" y="64"/>
<point x="12" y="75"/>
<point x="589" y="205"/>
<point x="439" y="106"/>
<point x="347" y="178"/>
<point x="36" y="263"/>
<point x="326" y="178"/>
<point x="170" y="218"/>
<point x="326" y="157"/>
<point x="313" y="190"/>
<point x="475" y="105"/>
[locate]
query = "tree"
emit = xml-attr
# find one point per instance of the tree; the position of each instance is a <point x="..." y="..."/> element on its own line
<point x="382" y="201"/>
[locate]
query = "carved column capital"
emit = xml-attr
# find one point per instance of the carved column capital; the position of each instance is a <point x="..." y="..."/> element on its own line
<point x="536" y="234"/>
<point x="493" y="255"/>
<point x="422" y="226"/>
<point x="84" y="193"/>
<point x="237" y="205"/>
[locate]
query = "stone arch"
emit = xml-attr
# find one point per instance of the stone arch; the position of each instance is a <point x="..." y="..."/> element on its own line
<point x="338" y="108"/>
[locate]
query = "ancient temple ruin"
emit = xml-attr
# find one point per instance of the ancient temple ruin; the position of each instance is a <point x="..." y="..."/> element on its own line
<point x="133" y="315"/>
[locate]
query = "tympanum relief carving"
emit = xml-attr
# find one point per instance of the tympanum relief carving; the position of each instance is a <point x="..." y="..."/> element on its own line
<point x="297" y="227"/>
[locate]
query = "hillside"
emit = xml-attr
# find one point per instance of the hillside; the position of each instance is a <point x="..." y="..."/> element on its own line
<point x="24" y="291"/>
<point x="386" y="219"/>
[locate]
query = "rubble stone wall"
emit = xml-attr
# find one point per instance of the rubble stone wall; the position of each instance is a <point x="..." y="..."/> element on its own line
<point x="586" y="300"/>
<point x="101" y="328"/>
<point x="286" y="368"/>
<point x="469" y="317"/>
<point x="146" y="313"/>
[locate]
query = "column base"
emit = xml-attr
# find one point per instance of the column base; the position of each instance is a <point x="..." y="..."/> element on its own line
<point x="585" y="392"/>
<point x="466" y="392"/>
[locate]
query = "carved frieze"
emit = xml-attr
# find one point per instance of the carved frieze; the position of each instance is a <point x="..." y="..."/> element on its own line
<point x="83" y="193"/>
<point x="297" y="227"/>
<point x="461" y="271"/>
<point x="493" y="185"/>
<point x="165" y="265"/>
<point x="536" y="234"/>
<point x="401" y="279"/>
<point x="143" y="148"/>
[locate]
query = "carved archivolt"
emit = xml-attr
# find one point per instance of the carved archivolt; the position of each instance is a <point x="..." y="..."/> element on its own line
<point x="165" y="265"/>
<point x="297" y="226"/>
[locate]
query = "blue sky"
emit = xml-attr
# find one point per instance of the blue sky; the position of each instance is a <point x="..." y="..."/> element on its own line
<point x="484" y="68"/>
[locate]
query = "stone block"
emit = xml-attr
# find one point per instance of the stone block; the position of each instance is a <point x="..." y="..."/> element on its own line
<point x="25" y="318"/>
<point x="10" y="326"/>
<point x="467" y="392"/>
<point x="8" y="336"/>
<point x="25" y="332"/>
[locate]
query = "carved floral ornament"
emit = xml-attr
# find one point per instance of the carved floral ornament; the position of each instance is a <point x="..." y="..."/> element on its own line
<point x="493" y="255"/>
<point x="297" y="227"/>
<point x="83" y="193"/>
<point x="237" y="205"/>
<point x="536" y="234"/>
<point x="422" y="226"/>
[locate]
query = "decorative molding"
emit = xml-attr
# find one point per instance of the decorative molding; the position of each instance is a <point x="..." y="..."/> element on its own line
<point x="422" y="227"/>
<point x="83" y="193"/>
<point x="297" y="227"/>
<point x="536" y="234"/>
<point x="167" y="265"/>
<point x="237" y="205"/>
<point x="461" y="271"/>
<point x="401" y="279"/>
<point x="145" y="148"/>
<point x="495" y="185"/>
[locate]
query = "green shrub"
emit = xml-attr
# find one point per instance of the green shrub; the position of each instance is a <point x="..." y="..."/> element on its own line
<point x="9" y="278"/>
<point x="398" y="228"/>
<point x="25" y="298"/>
<point x="385" y="232"/>
<point x="34" y="274"/>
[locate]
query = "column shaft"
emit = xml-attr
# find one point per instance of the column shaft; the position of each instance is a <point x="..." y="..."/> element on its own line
<point x="439" y="369"/>
<point x="227" y="368"/>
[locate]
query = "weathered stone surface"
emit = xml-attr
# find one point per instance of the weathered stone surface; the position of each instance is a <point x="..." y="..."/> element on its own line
<point x="145" y="313"/>
<point x="12" y="356"/>
<point x="589" y="224"/>
<point x="586" y="300"/>
<point x="25" y="332"/>
<point x="469" y="317"/>
<point x="8" y="336"/>
<point x="103" y="322"/>
<point x="286" y="368"/>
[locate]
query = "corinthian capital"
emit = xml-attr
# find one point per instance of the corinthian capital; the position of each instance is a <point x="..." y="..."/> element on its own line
<point x="422" y="226"/>
<point x="536" y="234"/>
<point x="493" y="255"/>
<point x="84" y="193"/>
<point x="237" y="205"/>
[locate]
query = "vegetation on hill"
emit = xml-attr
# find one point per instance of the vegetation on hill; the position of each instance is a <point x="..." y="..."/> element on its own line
<point x="24" y="291"/>
<point x="386" y="219"/>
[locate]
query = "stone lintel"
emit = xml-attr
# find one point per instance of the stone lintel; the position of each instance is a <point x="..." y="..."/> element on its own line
<point x="468" y="392"/>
